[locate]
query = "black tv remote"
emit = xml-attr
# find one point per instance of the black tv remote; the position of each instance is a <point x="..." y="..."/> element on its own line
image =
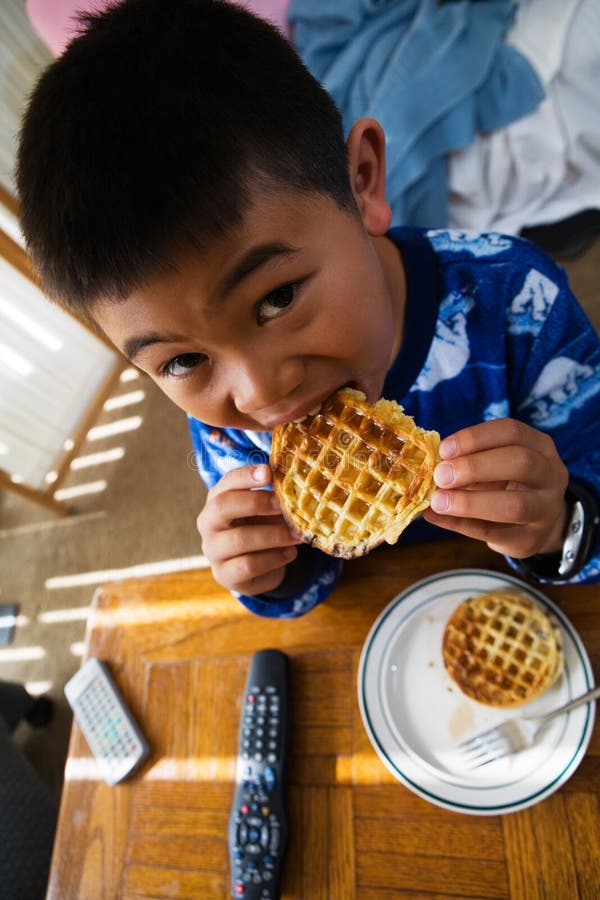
<point x="257" y="825"/>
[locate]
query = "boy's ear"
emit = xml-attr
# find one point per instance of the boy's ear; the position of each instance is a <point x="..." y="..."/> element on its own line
<point x="366" y="158"/>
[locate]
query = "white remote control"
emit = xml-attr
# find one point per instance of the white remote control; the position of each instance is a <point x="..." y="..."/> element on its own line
<point x="109" y="728"/>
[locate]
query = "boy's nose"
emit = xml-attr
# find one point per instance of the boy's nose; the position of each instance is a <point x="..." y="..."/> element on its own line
<point x="261" y="384"/>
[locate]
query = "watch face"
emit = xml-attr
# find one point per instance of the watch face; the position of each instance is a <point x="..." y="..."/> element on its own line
<point x="571" y="551"/>
<point x="584" y="499"/>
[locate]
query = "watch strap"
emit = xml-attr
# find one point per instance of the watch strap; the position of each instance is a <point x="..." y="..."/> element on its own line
<point x="579" y="536"/>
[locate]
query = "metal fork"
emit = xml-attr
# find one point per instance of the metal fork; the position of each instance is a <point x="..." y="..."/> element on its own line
<point x="514" y="735"/>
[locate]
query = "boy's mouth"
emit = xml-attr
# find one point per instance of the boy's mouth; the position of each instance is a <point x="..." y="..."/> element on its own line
<point x="317" y="407"/>
<point x="310" y="407"/>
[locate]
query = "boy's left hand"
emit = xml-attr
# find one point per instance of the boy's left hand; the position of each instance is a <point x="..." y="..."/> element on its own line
<point x="504" y="483"/>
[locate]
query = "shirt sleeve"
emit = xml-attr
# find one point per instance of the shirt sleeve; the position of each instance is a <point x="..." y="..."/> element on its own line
<point x="312" y="575"/>
<point x="555" y="376"/>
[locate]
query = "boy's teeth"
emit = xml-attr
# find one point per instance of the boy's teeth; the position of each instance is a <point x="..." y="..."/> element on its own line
<point x="311" y="412"/>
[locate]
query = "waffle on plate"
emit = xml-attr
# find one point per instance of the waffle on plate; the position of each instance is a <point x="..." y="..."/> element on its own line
<point x="354" y="474"/>
<point x="502" y="648"/>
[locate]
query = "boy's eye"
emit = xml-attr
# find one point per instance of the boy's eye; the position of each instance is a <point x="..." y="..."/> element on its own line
<point x="276" y="301"/>
<point x="180" y="366"/>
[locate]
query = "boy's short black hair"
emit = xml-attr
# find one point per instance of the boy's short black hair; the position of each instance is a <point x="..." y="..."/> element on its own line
<point x="144" y="136"/>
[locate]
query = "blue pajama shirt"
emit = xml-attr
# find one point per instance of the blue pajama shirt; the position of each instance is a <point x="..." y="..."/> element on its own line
<point x="492" y="329"/>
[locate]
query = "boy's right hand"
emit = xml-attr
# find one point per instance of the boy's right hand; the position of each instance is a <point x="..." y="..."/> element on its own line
<point x="244" y="535"/>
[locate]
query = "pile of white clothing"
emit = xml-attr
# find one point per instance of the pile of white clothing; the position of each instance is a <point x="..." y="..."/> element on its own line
<point x="544" y="167"/>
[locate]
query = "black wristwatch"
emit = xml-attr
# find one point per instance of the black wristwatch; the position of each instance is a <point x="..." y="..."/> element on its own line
<point x="579" y="536"/>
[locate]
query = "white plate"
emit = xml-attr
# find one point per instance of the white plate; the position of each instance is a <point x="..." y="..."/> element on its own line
<point x="415" y="715"/>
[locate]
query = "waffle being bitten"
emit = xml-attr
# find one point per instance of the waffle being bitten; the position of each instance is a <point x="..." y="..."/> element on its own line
<point x="502" y="648"/>
<point x="354" y="474"/>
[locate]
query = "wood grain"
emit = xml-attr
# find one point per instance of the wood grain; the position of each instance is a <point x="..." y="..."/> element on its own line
<point x="179" y="647"/>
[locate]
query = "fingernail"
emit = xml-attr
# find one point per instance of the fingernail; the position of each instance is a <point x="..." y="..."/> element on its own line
<point x="290" y="553"/>
<point x="440" y="502"/>
<point x="448" y="448"/>
<point x="275" y="502"/>
<point x="259" y="473"/>
<point x="444" y="474"/>
<point x="296" y="535"/>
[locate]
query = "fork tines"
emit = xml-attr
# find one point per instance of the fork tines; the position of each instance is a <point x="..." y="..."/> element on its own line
<point x="495" y="743"/>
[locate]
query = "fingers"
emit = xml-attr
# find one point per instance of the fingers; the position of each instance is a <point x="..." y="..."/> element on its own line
<point x="514" y="507"/>
<point x="473" y="528"/>
<point x="237" y="495"/>
<point x="510" y="540"/>
<point x="225" y="508"/>
<point x="502" y="482"/>
<point x="495" y="433"/>
<point x="246" y="573"/>
<point x="513" y="463"/>
<point x="244" y="535"/>
<point x="248" y="537"/>
<point x="246" y="477"/>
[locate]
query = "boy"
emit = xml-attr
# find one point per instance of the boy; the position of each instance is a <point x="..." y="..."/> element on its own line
<point x="185" y="184"/>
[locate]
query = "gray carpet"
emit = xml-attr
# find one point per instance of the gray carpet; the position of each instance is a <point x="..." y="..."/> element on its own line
<point x="146" y="514"/>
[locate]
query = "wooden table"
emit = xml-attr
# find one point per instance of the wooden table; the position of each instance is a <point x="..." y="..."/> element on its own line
<point x="179" y="647"/>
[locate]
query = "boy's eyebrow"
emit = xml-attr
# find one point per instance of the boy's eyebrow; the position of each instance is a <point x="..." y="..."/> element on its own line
<point x="253" y="259"/>
<point x="134" y="345"/>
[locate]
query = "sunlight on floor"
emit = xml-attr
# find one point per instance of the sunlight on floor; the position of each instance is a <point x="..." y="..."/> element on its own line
<point x="97" y="459"/>
<point x="139" y="571"/>
<point x="67" y="522"/>
<point x="38" y="687"/>
<point x="99" y="432"/>
<point x="54" y="616"/>
<point x="130" y="374"/>
<point x="21" y="654"/>
<point x="79" y="490"/>
<point x="122" y="400"/>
